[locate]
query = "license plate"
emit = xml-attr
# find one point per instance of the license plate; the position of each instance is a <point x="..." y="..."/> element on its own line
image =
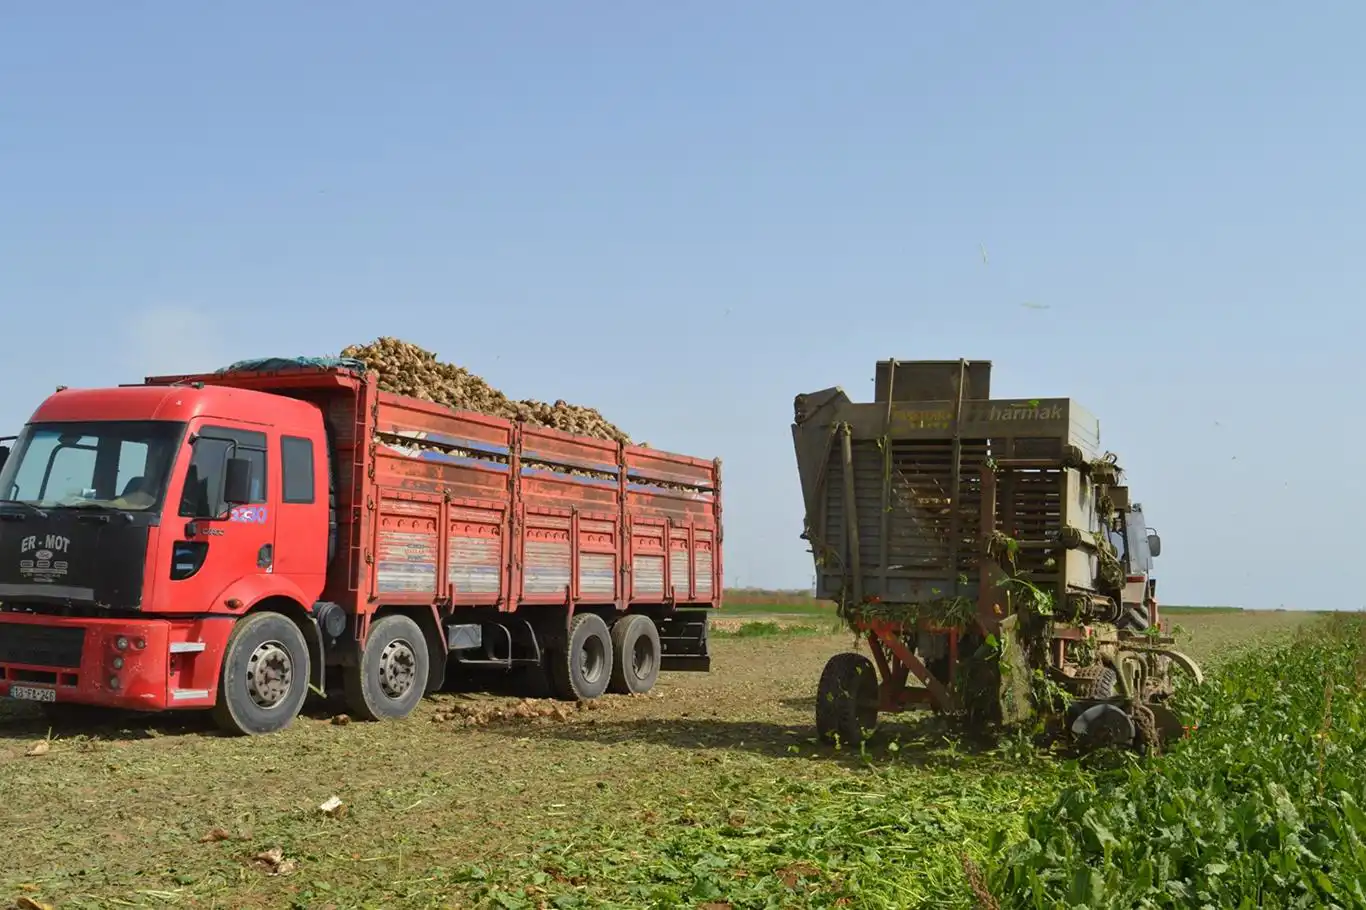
<point x="32" y="693"/>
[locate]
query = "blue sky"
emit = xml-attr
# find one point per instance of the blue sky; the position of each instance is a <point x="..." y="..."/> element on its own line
<point x="687" y="213"/>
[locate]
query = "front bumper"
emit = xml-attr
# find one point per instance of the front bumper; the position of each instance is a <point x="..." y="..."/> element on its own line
<point x="134" y="664"/>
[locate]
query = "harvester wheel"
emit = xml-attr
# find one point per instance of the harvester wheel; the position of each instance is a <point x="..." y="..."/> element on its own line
<point x="581" y="664"/>
<point x="1095" y="681"/>
<point x="635" y="655"/>
<point x="390" y="678"/>
<point x="847" y="700"/>
<point x="1102" y="685"/>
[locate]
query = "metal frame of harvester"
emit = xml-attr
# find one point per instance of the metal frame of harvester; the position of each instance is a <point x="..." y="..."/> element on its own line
<point x="969" y="542"/>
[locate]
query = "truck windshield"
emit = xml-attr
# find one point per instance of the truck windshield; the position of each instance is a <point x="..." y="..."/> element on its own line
<point x="119" y="464"/>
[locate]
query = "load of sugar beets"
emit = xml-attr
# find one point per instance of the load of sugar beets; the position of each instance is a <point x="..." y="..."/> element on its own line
<point x="989" y="555"/>
<point x="405" y="368"/>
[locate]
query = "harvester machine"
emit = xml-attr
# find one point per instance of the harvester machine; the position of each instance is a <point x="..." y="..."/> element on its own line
<point x="988" y="553"/>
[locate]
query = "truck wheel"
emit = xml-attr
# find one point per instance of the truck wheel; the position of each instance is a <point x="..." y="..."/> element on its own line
<point x="437" y="668"/>
<point x="264" y="679"/>
<point x="635" y="655"/>
<point x="391" y="676"/>
<point x="847" y="700"/>
<point x="581" y="666"/>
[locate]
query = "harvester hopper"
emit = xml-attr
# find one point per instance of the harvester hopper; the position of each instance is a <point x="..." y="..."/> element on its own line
<point x="972" y="542"/>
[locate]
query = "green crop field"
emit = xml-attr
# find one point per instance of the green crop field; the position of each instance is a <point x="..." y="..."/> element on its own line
<point x="711" y="792"/>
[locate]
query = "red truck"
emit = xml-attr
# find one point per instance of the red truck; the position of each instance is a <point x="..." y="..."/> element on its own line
<point x="232" y="540"/>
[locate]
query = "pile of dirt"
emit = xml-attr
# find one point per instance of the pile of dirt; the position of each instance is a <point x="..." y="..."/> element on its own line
<point x="407" y="369"/>
<point x="478" y="713"/>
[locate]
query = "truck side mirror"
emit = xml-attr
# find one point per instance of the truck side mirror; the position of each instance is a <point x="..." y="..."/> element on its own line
<point x="1154" y="545"/>
<point x="4" y="456"/>
<point x="237" y="482"/>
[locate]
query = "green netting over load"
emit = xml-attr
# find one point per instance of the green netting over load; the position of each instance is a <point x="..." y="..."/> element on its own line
<point x="277" y="364"/>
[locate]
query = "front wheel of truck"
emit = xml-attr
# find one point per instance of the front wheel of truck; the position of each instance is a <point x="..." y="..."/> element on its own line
<point x="264" y="679"/>
<point x="391" y="677"/>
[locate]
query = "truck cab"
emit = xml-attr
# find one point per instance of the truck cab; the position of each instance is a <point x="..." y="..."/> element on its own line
<point x="135" y="525"/>
<point x="1138" y="546"/>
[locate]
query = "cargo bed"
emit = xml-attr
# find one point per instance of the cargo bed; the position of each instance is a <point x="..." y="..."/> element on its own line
<point x="455" y="508"/>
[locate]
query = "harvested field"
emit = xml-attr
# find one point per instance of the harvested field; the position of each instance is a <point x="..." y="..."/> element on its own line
<point x="710" y="792"/>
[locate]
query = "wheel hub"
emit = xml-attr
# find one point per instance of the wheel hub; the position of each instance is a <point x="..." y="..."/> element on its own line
<point x="591" y="660"/>
<point x="270" y="674"/>
<point x="397" y="668"/>
<point x="642" y="658"/>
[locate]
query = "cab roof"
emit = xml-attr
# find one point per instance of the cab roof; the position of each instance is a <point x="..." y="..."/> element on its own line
<point x="179" y="403"/>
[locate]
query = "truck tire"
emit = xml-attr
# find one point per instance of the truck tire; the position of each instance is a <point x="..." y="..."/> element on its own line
<point x="264" y="679"/>
<point x="635" y="655"/>
<point x="847" y="700"/>
<point x="581" y="665"/>
<point x="437" y="667"/>
<point x="390" y="678"/>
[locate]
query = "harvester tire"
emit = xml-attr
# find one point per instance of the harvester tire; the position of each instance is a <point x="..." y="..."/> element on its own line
<point x="1102" y="685"/>
<point x="390" y="679"/>
<point x="264" y="678"/>
<point x="847" y="700"/>
<point x="635" y="655"/>
<point x="1096" y="681"/>
<point x="581" y="663"/>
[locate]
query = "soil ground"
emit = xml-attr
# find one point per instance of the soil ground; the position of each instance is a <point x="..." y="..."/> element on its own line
<point x="472" y="791"/>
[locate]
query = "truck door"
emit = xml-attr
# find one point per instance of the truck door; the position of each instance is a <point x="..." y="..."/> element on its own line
<point x="215" y="544"/>
<point x="303" y="523"/>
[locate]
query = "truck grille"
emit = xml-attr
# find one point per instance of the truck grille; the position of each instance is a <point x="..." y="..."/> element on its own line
<point x="41" y="646"/>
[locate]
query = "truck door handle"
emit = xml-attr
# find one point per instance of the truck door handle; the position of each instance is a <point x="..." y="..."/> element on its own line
<point x="265" y="556"/>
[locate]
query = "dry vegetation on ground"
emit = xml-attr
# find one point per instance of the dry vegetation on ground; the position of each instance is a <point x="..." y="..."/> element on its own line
<point x="708" y="792"/>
